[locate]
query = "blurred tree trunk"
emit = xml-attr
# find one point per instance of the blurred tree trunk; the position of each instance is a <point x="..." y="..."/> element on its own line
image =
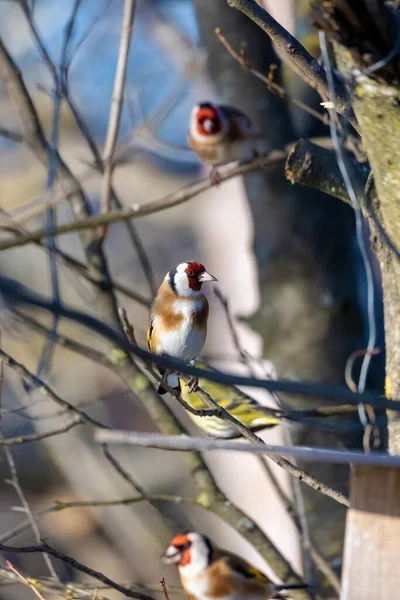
<point x="308" y="318"/>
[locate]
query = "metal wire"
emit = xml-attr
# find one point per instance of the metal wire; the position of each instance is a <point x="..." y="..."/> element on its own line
<point x="359" y="231"/>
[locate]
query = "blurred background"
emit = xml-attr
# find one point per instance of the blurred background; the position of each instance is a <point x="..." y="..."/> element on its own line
<point x="286" y="259"/>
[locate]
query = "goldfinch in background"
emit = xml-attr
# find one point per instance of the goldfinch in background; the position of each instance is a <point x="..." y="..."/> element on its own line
<point x="220" y="134"/>
<point x="248" y="411"/>
<point x="178" y="316"/>
<point x="207" y="573"/>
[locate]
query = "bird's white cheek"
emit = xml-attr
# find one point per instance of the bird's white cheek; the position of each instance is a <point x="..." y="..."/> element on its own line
<point x="206" y="138"/>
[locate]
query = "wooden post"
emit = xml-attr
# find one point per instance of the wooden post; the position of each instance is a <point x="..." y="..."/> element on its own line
<point x="371" y="569"/>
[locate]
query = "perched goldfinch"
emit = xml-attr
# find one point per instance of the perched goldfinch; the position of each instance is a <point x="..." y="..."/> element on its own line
<point x="210" y="574"/>
<point x="178" y="316"/>
<point x="248" y="411"/>
<point x="220" y="134"/>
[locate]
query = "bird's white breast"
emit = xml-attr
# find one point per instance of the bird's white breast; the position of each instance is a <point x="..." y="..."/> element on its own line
<point x="185" y="341"/>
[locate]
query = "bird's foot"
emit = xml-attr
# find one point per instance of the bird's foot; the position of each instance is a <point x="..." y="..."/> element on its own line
<point x="215" y="176"/>
<point x="193" y="384"/>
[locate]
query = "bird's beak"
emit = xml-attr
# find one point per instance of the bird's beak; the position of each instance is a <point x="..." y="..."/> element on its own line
<point x="171" y="555"/>
<point x="207" y="277"/>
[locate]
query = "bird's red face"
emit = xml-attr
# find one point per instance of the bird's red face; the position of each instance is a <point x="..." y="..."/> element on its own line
<point x="178" y="551"/>
<point x="186" y="279"/>
<point x="208" y="120"/>
<point x="190" y="548"/>
<point x="197" y="275"/>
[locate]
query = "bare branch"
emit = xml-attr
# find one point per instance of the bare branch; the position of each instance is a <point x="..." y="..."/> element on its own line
<point x="36" y="141"/>
<point x="199" y="444"/>
<point x="311" y="165"/>
<point x="59" y="506"/>
<point x="83" y="590"/>
<point x="321" y="562"/>
<point x="46" y="549"/>
<point x="51" y="215"/>
<point x="45" y="390"/>
<point x="235" y="338"/>
<point x="269" y="82"/>
<point x="169" y="201"/>
<point x="61" y="82"/>
<point x="37" y="437"/>
<point x="294" y="53"/>
<point x="153" y="500"/>
<point x="14" y="136"/>
<point x="127" y="326"/>
<point x="77" y="266"/>
<point x="14" y="482"/>
<point x="164" y="588"/>
<point x="116" y="104"/>
<point x="27" y="582"/>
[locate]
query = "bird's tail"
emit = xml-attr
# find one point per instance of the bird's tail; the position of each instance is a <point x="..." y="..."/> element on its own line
<point x="172" y="380"/>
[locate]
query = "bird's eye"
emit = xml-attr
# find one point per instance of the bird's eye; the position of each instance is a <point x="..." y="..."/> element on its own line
<point x="182" y="547"/>
<point x="190" y="273"/>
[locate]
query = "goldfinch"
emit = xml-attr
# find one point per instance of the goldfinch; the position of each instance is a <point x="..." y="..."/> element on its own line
<point x="178" y="317"/>
<point x="220" y="134"/>
<point x="207" y="573"/>
<point x="248" y="411"/>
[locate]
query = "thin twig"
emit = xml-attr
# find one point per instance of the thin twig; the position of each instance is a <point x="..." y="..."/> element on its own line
<point x="87" y="32"/>
<point x="272" y="85"/>
<point x="37" y="437"/>
<point x="201" y="444"/>
<point x="209" y="494"/>
<point x="45" y="390"/>
<point x="84" y="590"/>
<point x="126" y="325"/>
<point x="320" y="560"/>
<point x="59" y="506"/>
<point x="296" y="55"/>
<point x="150" y="498"/>
<point x="116" y="104"/>
<point x="243" y="355"/>
<point x="27" y="582"/>
<point x="63" y="81"/>
<point x="51" y="214"/>
<point x="171" y="200"/>
<point x="302" y="522"/>
<point x="75" y="564"/>
<point x="14" y="482"/>
<point x="164" y="588"/>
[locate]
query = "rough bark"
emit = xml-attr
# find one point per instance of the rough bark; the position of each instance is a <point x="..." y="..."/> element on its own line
<point x="377" y="107"/>
<point x="362" y="38"/>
